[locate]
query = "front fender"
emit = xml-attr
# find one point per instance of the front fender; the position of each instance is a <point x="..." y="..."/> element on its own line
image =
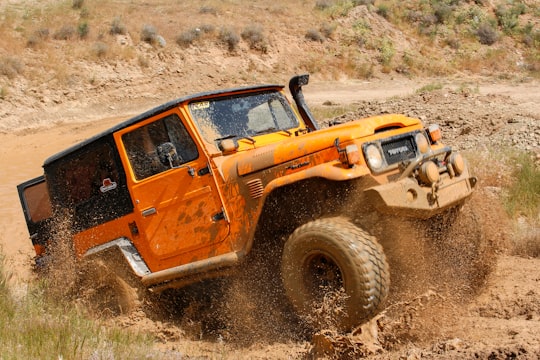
<point x="332" y="170"/>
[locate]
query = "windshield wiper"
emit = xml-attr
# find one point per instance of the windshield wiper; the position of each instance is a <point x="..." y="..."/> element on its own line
<point x="238" y="137"/>
<point x="269" y="130"/>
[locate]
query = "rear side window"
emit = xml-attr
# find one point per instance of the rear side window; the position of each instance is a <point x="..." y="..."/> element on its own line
<point x="90" y="183"/>
<point x="159" y="146"/>
<point x="37" y="201"/>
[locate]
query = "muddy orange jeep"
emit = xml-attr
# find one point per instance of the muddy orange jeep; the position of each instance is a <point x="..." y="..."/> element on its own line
<point x="191" y="189"/>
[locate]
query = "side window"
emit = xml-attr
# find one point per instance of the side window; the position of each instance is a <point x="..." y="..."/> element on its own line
<point x="159" y="146"/>
<point x="91" y="184"/>
<point x="88" y="174"/>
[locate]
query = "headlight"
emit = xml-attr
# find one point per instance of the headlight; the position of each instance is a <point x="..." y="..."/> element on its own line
<point x="428" y="173"/>
<point x="422" y="143"/>
<point x="457" y="162"/>
<point x="373" y="157"/>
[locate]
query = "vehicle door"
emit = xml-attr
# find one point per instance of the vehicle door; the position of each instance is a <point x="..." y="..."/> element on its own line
<point x="177" y="204"/>
<point x="36" y="205"/>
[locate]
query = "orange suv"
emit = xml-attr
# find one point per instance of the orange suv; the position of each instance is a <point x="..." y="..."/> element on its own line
<point x="190" y="188"/>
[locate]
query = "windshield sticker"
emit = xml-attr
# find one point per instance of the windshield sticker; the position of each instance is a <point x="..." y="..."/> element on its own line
<point x="108" y="185"/>
<point x="200" y="105"/>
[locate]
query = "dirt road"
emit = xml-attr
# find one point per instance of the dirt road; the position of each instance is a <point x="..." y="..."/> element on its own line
<point x="502" y="320"/>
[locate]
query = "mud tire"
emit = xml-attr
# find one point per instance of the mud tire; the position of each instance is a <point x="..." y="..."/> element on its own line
<point x="333" y="255"/>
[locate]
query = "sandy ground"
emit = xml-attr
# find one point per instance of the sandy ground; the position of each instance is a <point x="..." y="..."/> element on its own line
<point x="501" y="320"/>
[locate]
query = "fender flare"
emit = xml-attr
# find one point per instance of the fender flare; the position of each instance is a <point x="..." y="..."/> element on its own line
<point x="330" y="170"/>
<point x="128" y="250"/>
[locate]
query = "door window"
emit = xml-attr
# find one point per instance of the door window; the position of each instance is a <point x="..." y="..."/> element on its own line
<point x="159" y="146"/>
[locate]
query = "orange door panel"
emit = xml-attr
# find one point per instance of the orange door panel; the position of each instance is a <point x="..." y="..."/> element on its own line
<point x="178" y="210"/>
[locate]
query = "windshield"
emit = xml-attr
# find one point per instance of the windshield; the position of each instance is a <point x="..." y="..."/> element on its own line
<point x="243" y="116"/>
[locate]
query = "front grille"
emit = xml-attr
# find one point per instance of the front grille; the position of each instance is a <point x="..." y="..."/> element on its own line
<point x="399" y="149"/>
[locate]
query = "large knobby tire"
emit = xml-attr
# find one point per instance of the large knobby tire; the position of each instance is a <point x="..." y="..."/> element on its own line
<point x="334" y="273"/>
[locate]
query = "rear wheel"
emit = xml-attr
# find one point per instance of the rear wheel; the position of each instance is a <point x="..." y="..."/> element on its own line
<point x="104" y="290"/>
<point x="334" y="273"/>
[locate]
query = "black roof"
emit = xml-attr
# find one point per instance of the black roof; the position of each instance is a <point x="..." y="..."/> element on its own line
<point x="150" y="113"/>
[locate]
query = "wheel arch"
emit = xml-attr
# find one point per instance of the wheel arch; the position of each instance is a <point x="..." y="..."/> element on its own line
<point x="122" y="248"/>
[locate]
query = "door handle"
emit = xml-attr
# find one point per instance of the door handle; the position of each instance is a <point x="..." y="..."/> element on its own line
<point x="148" y="212"/>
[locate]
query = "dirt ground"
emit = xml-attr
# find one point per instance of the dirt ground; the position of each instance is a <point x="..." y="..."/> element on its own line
<point x="495" y="314"/>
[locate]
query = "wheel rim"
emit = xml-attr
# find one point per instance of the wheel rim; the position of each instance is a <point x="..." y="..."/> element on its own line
<point x="322" y="275"/>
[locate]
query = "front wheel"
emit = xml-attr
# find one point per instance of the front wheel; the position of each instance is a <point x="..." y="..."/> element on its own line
<point x="334" y="273"/>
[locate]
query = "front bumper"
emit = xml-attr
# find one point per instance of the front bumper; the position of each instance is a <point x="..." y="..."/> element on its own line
<point x="406" y="197"/>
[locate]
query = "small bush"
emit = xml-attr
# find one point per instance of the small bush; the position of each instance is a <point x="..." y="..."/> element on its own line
<point x="207" y="28"/>
<point x="117" y="27"/>
<point x="77" y="4"/>
<point x="507" y="18"/>
<point x="327" y="30"/>
<point x="100" y="49"/>
<point x="323" y="4"/>
<point x="187" y="38"/>
<point x="3" y="93"/>
<point x="66" y="32"/>
<point x="486" y="34"/>
<point x="149" y="34"/>
<point x="85" y="13"/>
<point x="363" y="2"/>
<point x="383" y="10"/>
<point x="523" y="197"/>
<point x="314" y="35"/>
<point x="208" y="10"/>
<point x="83" y="29"/>
<point x="10" y="66"/>
<point x="254" y="36"/>
<point x="386" y="52"/>
<point x="443" y="12"/>
<point x="230" y="38"/>
<point x="37" y="37"/>
<point x="429" y="88"/>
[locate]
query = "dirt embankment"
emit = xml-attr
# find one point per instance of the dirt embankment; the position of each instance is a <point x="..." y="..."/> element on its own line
<point x="454" y="305"/>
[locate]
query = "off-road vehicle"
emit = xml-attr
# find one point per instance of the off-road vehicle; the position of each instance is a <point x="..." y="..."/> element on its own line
<point x="189" y="189"/>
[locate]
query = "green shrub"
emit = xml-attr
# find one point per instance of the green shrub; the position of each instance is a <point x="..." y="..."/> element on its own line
<point x="507" y="19"/>
<point x="386" y="51"/>
<point x="83" y="29"/>
<point x="523" y="196"/>
<point x="383" y="10"/>
<point x="429" y="88"/>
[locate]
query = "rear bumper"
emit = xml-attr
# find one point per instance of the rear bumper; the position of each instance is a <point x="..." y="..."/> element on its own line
<point x="406" y="197"/>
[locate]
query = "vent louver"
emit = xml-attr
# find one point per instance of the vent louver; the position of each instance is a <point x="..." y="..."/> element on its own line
<point x="255" y="188"/>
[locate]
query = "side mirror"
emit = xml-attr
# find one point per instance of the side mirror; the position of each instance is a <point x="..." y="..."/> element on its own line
<point x="167" y="155"/>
